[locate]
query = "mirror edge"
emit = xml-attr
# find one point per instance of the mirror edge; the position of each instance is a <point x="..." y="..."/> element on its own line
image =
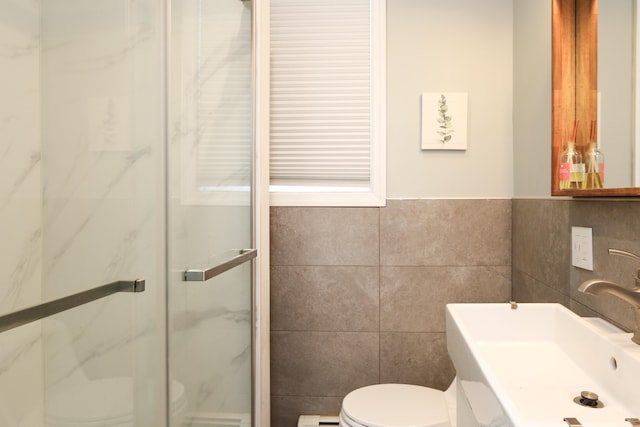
<point x="563" y="80"/>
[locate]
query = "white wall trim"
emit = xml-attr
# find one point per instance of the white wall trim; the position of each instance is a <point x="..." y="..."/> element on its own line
<point x="262" y="392"/>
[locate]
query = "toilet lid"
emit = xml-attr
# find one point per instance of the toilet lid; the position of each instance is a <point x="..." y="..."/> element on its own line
<point x="397" y="405"/>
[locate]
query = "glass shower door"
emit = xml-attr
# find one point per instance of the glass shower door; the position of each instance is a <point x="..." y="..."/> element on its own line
<point x="211" y="211"/>
<point x="82" y="204"/>
<point x="103" y="156"/>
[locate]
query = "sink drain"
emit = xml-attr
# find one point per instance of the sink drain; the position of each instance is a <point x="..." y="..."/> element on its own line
<point x="588" y="399"/>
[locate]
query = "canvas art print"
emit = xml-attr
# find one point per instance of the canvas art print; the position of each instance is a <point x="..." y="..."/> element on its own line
<point x="444" y="121"/>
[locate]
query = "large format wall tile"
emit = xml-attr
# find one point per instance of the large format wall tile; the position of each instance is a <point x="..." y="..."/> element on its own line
<point x="320" y="298"/>
<point x="415" y="358"/>
<point x="323" y="363"/>
<point x="413" y="299"/>
<point x="324" y="236"/>
<point x="358" y="295"/>
<point x="431" y="252"/>
<point x="532" y="290"/>
<point x="614" y="225"/>
<point x="21" y="354"/>
<point x="445" y="232"/>
<point x="542" y="270"/>
<point x="542" y="241"/>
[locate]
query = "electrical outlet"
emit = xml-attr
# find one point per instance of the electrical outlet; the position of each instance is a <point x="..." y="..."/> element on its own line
<point x="582" y="247"/>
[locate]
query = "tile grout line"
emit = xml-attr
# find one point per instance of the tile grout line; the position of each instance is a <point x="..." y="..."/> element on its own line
<point x="379" y="296"/>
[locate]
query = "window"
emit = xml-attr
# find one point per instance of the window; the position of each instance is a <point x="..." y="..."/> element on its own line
<point x="327" y="121"/>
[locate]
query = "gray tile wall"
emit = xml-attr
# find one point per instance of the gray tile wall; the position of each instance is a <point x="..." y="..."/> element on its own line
<point x="542" y="270"/>
<point x="358" y="295"/>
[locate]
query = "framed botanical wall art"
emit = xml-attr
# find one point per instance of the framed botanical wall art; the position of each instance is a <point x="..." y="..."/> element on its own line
<point x="444" y="121"/>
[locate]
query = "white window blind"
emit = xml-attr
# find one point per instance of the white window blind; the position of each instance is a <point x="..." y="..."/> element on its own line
<point x="322" y="95"/>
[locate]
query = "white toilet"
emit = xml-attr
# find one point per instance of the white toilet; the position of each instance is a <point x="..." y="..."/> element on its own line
<point x="399" y="405"/>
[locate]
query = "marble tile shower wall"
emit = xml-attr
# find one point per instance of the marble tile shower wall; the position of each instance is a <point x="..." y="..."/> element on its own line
<point x="20" y="207"/>
<point x="542" y="270"/>
<point x="359" y="294"/>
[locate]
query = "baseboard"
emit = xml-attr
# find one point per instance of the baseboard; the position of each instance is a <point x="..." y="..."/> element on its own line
<point x="318" y="421"/>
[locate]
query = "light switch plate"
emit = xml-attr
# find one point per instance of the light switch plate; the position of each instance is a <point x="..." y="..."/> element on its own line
<point x="582" y="247"/>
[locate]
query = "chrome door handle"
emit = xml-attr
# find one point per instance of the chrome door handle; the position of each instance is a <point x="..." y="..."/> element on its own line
<point x="40" y="311"/>
<point x="244" y="255"/>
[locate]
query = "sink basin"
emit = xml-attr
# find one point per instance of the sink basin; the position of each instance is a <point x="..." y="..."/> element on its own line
<point x="524" y="366"/>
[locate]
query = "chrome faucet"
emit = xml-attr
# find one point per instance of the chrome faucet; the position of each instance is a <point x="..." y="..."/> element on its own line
<point x="632" y="296"/>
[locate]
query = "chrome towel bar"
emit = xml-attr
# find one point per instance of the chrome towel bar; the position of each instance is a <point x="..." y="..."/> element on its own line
<point x="37" y="312"/>
<point x="240" y="257"/>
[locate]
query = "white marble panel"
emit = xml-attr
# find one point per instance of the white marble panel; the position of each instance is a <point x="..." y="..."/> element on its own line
<point x="20" y="192"/>
<point x="20" y="207"/>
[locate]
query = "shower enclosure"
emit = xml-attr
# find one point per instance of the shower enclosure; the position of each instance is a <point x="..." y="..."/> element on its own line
<point x="126" y="213"/>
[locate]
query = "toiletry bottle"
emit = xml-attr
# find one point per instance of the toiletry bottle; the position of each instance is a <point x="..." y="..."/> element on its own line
<point x="571" y="173"/>
<point x="594" y="166"/>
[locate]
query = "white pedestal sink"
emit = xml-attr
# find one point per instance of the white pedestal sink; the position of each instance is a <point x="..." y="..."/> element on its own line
<point x="523" y="367"/>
